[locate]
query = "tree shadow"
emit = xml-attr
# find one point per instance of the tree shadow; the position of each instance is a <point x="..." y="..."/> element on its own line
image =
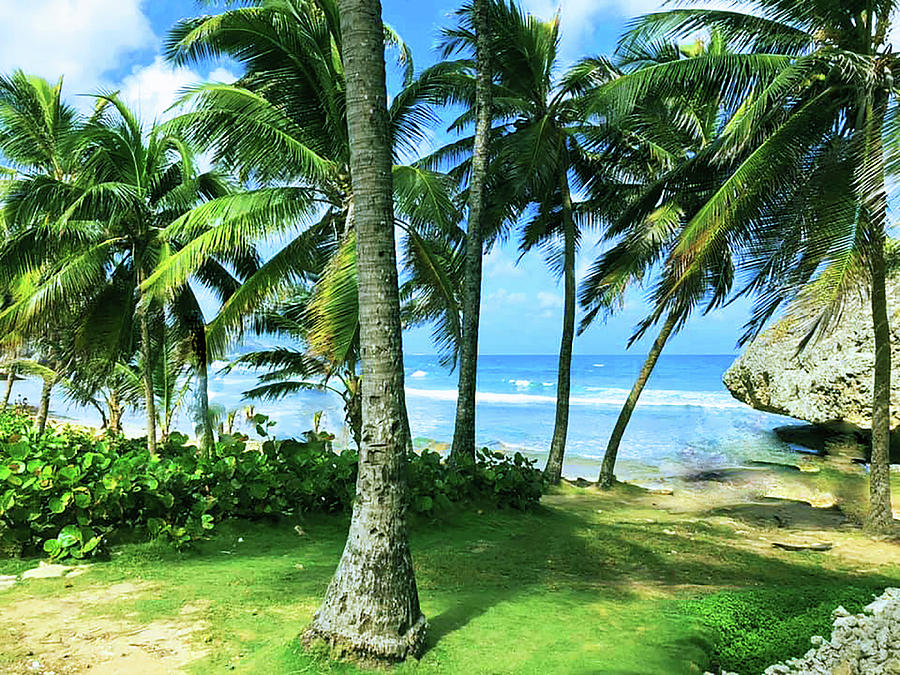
<point x="553" y="548"/>
<point x="784" y="513"/>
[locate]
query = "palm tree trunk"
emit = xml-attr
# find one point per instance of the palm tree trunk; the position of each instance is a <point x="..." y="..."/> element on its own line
<point x="10" y="379"/>
<point x="880" y="512"/>
<point x="607" y="478"/>
<point x="115" y="412"/>
<point x="553" y="470"/>
<point x="371" y="607"/>
<point x="880" y="515"/>
<point x="464" y="432"/>
<point x="44" y="409"/>
<point x="207" y="438"/>
<point x="353" y="408"/>
<point x="104" y="422"/>
<point x="147" y="374"/>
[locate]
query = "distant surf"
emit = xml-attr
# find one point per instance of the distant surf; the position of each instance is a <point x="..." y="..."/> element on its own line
<point x="603" y="396"/>
<point x="685" y="418"/>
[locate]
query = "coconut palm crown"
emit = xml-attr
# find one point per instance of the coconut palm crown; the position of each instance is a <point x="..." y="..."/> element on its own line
<point x="85" y="218"/>
<point x="811" y="140"/>
<point x="282" y="127"/>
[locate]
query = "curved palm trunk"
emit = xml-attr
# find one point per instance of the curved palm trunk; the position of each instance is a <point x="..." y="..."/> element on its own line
<point x="607" y="477"/>
<point x="147" y="374"/>
<point x="7" y="393"/>
<point x="553" y="470"/>
<point x="44" y="409"/>
<point x="464" y="430"/>
<point x="115" y="412"/>
<point x="353" y="408"/>
<point x="104" y="421"/>
<point x="371" y="607"/>
<point x="207" y="438"/>
<point x="880" y="512"/>
<point x="880" y="515"/>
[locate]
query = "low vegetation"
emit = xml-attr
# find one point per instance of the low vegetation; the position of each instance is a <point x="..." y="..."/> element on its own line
<point x="71" y="494"/>
<point x="752" y="629"/>
<point x="619" y="581"/>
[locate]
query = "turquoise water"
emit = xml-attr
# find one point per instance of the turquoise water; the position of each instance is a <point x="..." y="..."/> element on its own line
<point x="686" y="419"/>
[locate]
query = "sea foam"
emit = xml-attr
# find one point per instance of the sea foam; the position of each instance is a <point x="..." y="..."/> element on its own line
<point x="608" y="396"/>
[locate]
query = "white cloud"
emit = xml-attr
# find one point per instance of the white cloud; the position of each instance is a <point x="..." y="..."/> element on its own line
<point x="579" y="18"/>
<point x="549" y="300"/>
<point x="502" y="297"/>
<point x="81" y="39"/>
<point x="151" y="90"/>
<point x="86" y="41"/>
<point x="498" y="263"/>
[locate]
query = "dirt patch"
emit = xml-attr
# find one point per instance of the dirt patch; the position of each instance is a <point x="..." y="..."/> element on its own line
<point x="65" y="635"/>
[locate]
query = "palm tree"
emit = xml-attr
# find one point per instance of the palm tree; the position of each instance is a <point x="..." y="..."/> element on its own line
<point x="293" y="144"/>
<point x="652" y="145"/>
<point x="813" y="127"/>
<point x="11" y="345"/>
<point x="294" y="365"/>
<point x="39" y="136"/>
<point x="93" y="232"/>
<point x="172" y="374"/>
<point x="536" y="153"/>
<point x="49" y="378"/>
<point x="372" y="604"/>
<point x="479" y="13"/>
<point x="10" y="378"/>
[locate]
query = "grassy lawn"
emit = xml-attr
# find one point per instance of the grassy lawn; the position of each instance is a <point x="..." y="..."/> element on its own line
<point x="589" y="582"/>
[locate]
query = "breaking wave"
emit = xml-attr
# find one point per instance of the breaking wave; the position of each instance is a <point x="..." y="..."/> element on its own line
<point x="598" y="397"/>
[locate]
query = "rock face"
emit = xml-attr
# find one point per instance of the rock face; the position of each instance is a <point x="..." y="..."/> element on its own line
<point x="830" y="382"/>
<point x="860" y="644"/>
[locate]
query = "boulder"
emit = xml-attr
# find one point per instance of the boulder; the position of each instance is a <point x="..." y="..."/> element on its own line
<point x="829" y="383"/>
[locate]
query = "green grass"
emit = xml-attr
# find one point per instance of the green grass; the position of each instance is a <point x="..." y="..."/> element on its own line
<point x="583" y="584"/>
<point x="756" y="628"/>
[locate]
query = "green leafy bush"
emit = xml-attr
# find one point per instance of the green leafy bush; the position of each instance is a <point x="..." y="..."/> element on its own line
<point x="68" y="493"/>
<point x="754" y="629"/>
<point x="494" y="478"/>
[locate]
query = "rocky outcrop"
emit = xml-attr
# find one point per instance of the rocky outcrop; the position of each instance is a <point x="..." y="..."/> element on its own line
<point x="860" y="644"/>
<point x="829" y="383"/>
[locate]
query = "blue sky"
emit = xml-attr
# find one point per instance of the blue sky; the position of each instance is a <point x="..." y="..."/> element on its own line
<point x="114" y="44"/>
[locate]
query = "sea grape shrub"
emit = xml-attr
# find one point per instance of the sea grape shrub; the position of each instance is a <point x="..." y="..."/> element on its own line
<point x="69" y="493"/>
<point x="66" y="492"/>
<point x="280" y="478"/>
<point x="494" y="478"/>
<point x="12" y="423"/>
<point x="514" y="482"/>
<point x="431" y="484"/>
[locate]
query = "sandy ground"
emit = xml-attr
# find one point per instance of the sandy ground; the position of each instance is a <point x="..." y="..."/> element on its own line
<point x="65" y="635"/>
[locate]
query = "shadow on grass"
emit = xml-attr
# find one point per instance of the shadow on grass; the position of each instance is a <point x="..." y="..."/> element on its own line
<point x="773" y="511"/>
<point x="467" y="563"/>
<point x="493" y="559"/>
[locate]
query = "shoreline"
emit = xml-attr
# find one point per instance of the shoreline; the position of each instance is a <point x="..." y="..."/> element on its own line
<point x="716" y="445"/>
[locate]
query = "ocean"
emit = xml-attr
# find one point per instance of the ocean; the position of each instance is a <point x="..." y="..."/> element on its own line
<point x="686" y="420"/>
